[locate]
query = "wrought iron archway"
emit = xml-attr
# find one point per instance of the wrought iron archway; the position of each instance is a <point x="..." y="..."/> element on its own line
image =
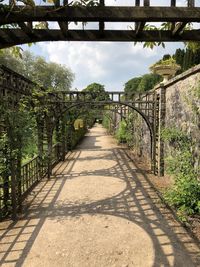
<point x="14" y="86"/>
<point x="17" y="27"/>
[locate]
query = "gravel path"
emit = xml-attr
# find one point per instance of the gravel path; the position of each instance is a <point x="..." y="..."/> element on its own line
<point x="97" y="210"/>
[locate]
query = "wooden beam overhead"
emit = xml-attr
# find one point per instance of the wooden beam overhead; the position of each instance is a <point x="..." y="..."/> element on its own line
<point x="63" y="27"/>
<point x="10" y="36"/>
<point x="95" y="35"/>
<point x="101" y="13"/>
<point x="63" y="14"/>
<point x="26" y="28"/>
<point x="3" y="38"/>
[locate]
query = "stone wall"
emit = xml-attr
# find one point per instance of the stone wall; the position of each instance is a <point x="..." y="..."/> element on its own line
<point x="141" y="140"/>
<point x="182" y="106"/>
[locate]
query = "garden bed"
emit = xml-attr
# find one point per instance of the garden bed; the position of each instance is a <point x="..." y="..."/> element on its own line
<point x="161" y="184"/>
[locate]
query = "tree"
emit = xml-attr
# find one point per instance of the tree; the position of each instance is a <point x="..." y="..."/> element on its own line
<point x="197" y="57"/>
<point x="141" y="84"/>
<point x="7" y="59"/>
<point x="131" y="87"/>
<point x="49" y="74"/>
<point x="166" y="56"/>
<point x="97" y="91"/>
<point x="179" y="57"/>
<point x="46" y="74"/>
<point x="148" y="81"/>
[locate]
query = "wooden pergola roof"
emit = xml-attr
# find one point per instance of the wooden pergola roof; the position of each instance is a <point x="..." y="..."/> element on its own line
<point x="20" y="20"/>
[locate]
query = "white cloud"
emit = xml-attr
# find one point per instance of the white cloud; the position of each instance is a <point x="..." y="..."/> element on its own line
<point x="111" y="64"/>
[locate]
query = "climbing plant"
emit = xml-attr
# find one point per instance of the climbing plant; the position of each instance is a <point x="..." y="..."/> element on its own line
<point x="121" y="133"/>
<point x="184" y="194"/>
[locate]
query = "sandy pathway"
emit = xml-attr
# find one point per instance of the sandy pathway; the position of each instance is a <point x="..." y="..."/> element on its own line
<point x="98" y="210"/>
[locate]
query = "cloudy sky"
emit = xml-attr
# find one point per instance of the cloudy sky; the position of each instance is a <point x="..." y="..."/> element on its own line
<point x="111" y="64"/>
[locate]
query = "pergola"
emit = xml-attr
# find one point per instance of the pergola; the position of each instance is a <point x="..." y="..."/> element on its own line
<point x="17" y="23"/>
<point x="18" y="26"/>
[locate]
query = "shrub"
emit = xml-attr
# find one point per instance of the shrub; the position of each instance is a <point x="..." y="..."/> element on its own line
<point x="185" y="192"/>
<point x="121" y="133"/>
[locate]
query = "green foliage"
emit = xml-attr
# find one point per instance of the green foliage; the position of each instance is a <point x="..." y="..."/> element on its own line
<point x="141" y="84"/>
<point x="46" y="74"/>
<point x="185" y="193"/>
<point x="194" y="46"/>
<point x="176" y="138"/>
<point x="131" y="87"/>
<point x="132" y="134"/>
<point x="97" y="91"/>
<point x="15" y="51"/>
<point x="85" y="3"/>
<point x="121" y="133"/>
<point x="165" y="61"/>
<point x="186" y="58"/>
<point x="3" y="153"/>
<point x="106" y="122"/>
<point x="77" y="136"/>
<point x="7" y="59"/>
<point x="148" y="81"/>
<point x="18" y="140"/>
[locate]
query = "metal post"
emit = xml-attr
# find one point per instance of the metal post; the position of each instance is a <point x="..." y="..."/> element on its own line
<point x="162" y="114"/>
<point x="63" y="126"/>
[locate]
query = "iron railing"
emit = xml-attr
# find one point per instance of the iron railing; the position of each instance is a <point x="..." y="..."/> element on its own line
<point x="31" y="173"/>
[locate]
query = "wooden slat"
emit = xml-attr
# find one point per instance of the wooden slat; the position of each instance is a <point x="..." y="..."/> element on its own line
<point x="191" y="3"/>
<point x="95" y="35"/>
<point x="30" y="24"/>
<point x="10" y="36"/>
<point x="137" y="3"/>
<point x="4" y="38"/>
<point x="146" y="2"/>
<point x="64" y="27"/>
<point x="173" y="4"/>
<point x="101" y="23"/>
<point x="62" y="24"/>
<point x="25" y="28"/>
<point x="179" y="28"/>
<point x="140" y="26"/>
<point x="106" y="13"/>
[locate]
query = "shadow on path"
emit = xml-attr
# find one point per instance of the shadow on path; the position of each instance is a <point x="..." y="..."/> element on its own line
<point x="137" y="203"/>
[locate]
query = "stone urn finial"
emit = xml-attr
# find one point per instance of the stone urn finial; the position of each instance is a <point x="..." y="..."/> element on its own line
<point x="166" y="68"/>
